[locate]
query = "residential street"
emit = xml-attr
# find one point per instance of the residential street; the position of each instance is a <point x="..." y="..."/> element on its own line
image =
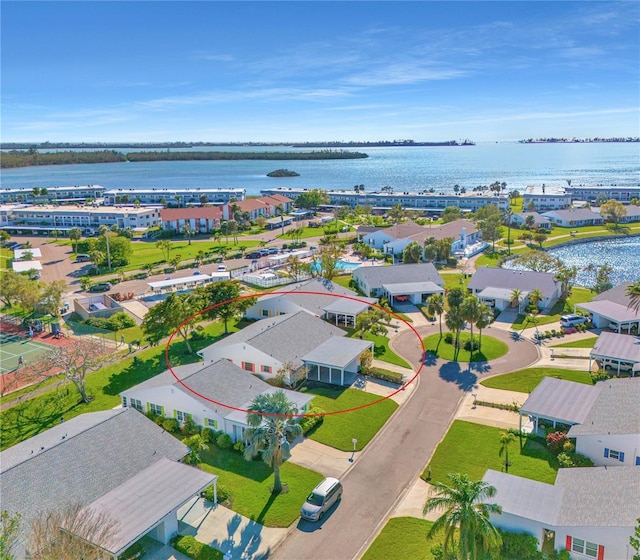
<point x="393" y="461"/>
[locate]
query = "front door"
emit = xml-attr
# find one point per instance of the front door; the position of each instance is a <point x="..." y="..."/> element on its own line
<point x="548" y="541"/>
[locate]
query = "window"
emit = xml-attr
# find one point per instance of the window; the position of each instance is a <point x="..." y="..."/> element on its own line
<point x="124" y="402"/>
<point x="156" y="409"/>
<point x="613" y="454"/>
<point x="248" y="366"/>
<point x="211" y="423"/>
<point x="182" y="416"/>
<point x="591" y="549"/>
<point x="578" y="545"/>
<point x="584" y="547"/>
<point x="265" y="312"/>
<point x="135" y="403"/>
<point x="266" y="369"/>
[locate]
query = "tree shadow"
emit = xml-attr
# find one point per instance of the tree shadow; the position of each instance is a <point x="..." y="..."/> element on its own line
<point x="453" y="373"/>
<point x="244" y="545"/>
<point x="430" y="358"/>
<point x="480" y="367"/>
<point x="266" y="507"/>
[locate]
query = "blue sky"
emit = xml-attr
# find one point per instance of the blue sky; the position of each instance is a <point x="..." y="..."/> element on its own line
<point x="294" y="71"/>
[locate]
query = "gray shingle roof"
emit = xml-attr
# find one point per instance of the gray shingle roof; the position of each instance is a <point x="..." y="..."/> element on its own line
<point x="451" y="229"/>
<point x="401" y="231"/>
<point x="525" y="498"/>
<point x="623" y="347"/>
<point x="615" y="410"/>
<point x="617" y="294"/>
<point x="337" y="351"/>
<point x="402" y="288"/>
<point x="610" y="310"/>
<point x="376" y="276"/>
<point x="599" y="496"/>
<point x="573" y="214"/>
<point x="144" y="500"/>
<point x="490" y="277"/>
<point x="348" y="306"/>
<point x="562" y="400"/>
<point x="110" y="448"/>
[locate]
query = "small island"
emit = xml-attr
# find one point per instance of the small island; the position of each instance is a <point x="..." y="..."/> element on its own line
<point x="283" y="173"/>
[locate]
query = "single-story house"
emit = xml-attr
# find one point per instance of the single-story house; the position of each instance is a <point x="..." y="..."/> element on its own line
<point x="203" y="219"/>
<point x="589" y="511"/>
<point x="617" y="294"/>
<point x="617" y="353"/>
<point x="381" y="236"/>
<point x="494" y="286"/>
<point x="608" y="314"/>
<point x="398" y="283"/>
<point x="336" y="360"/>
<point x="214" y="396"/>
<point x="84" y="459"/>
<point x="610" y="432"/>
<point x="520" y="219"/>
<point x="269" y="345"/>
<point x="338" y="304"/>
<point x="574" y="217"/>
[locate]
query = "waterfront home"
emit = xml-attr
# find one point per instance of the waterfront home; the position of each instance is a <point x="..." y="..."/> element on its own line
<point x="400" y="283"/>
<point x="589" y="511"/>
<point x="495" y="286"/>
<point x="609" y="314"/>
<point x="202" y="219"/>
<point x="574" y="217"/>
<point x="59" y="195"/>
<point x="546" y="197"/>
<point x="603" y="192"/>
<point x="539" y="221"/>
<point x="617" y="353"/>
<point x="174" y="197"/>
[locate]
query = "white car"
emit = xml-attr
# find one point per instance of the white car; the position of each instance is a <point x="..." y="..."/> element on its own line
<point x="572" y="320"/>
<point x="222" y="268"/>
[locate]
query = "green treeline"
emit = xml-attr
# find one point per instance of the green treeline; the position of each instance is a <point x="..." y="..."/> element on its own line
<point x="33" y="157"/>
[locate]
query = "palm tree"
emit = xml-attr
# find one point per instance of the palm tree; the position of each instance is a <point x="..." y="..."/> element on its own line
<point x="633" y="291"/>
<point x="484" y="320"/>
<point x="471" y="308"/>
<point x="280" y="212"/>
<point x="506" y="439"/>
<point x="454" y="320"/>
<point x="271" y="418"/>
<point x="465" y="510"/>
<point x="104" y="230"/>
<point x="535" y="297"/>
<point x="188" y="231"/>
<point x="507" y="216"/>
<point x="516" y="297"/>
<point x="436" y="306"/>
<point x="75" y="234"/>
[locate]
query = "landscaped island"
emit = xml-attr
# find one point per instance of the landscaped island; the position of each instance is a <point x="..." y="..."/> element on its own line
<point x="283" y="173"/>
<point x="33" y="157"/>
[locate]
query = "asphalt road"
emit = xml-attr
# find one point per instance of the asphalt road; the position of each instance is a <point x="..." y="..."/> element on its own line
<point x="398" y="454"/>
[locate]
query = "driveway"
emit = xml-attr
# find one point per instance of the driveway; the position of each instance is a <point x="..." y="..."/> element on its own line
<point x="390" y="464"/>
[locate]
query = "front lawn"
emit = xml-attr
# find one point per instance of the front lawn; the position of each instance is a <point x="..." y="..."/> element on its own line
<point x="526" y="380"/>
<point x="403" y="537"/>
<point x="381" y="350"/>
<point x="580" y="343"/>
<point x="337" y="430"/>
<point x="473" y="448"/>
<point x="249" y="483"/>
<point x="578" y="295"/>
<point x="491" y="349"/>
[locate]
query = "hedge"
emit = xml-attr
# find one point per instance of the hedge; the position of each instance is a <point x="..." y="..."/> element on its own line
<point x="386" y="375"/>
<point x="195" y="549"/>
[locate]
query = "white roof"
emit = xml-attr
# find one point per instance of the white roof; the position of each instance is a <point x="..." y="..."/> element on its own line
<point x="610" y="310"/>
<point x="198" y="278"/>
<point x="26" y="266"/>
<point x="501" y="293"/>
<point x="36" y="253"/>
<point x="402" y="288"/>
<point x="622" y="347"/>
<point x="337" y="351"/>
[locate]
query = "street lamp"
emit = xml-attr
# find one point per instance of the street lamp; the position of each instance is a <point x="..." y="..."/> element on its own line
<point x="354" y="441"/>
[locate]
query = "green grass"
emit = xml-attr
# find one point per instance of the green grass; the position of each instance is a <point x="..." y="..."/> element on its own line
<point x="250" y="483"/>
<point x="307" y="233"/>
<point x="582" y="343"/>
<point x="337" y="430"/>
<point x="381" y="350"/>
<point x="455" y="280"/>
<point x="6" y="256"/>
<point x="578" y="295"/>
<point x="492" y="348"/>
<point x="403" y="537"/>
<point x="526" y="380"/>
<point x="473" y="448"/>
<point x="44" y="411"/>
<point x="343" y="281"/>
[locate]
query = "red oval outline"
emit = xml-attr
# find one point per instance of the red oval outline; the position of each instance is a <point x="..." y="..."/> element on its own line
<point x="258" y="296"/>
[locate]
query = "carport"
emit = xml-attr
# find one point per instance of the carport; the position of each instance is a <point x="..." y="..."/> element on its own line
<point x="336" y="360"/>
<point x="501" y="298"/>
<point x="617" y="352"/>
<point x="415" y="292"/>
<point x="345" y="311"/>
<point x="608" y="314"/>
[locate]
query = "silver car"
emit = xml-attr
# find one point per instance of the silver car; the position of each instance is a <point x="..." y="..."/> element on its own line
<point x="322" y="497"/>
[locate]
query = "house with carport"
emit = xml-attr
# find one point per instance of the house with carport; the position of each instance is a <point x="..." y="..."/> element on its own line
<point x="607" y="314"/>
<point x="574" y="217"/>
<point x="590" y="511"/>
<point x="519" y="219"/>
<point x="203" y="219"/>
<point x="320" y="297"/>
<point x="112" y="458"/>
<point x="213" y="396"/>
<point x="399" y="283"/>
<point x="280" y="344"/>
<point x="495" y="286"/>
<point x="617" y="353"/>
<point x="379" y="237"/>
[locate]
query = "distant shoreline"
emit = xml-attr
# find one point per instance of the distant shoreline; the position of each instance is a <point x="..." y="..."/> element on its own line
<point x="578" y="140"/>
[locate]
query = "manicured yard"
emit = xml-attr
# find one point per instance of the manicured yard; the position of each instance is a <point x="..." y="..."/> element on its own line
<point x="337" y="430"/>
<point x="578" y="295"/>
<point x="491" y="349"/>
<point x="455" y="280"/>
<point x="381" y="350"/>
<point x="581" y="343"/>
<point x="402" y="537"/>
<point x="526" y="380"/>
<point x="473" y="448"/>
<point x="250" y="483"/>
<point x="44" y="411"/>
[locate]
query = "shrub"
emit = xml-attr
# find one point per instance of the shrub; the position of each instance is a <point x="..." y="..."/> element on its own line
<point x="476" y="344"/>
<point x="308" y="423"/>
<point x="386" y="375"/>
<point x="599" y="375"/>
<point x="171" y="425"/>
<point x="116" y="322"/>
<point x="519" y="546"/>
<point x="239" y="447"/>
<point x="556" y="440"/>
<point x="189" y="546"/>
<point x="189" y="427"/>
<point x="224" y="441"/>
<point x="208" y="435"/>
<point x="222" y="494"/>
<point x="568" y="447"/>
<point x="448" y="338"/>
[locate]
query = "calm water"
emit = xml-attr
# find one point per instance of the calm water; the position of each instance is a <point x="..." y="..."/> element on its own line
<point x="403" y="169"/>
<point x="623" y="255"/>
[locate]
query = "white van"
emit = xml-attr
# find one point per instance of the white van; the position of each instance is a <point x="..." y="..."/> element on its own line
<point x="322" y="497"/>
<point x="572" y="320"/>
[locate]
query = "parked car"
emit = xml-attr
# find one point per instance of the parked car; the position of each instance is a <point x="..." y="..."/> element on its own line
<point x="222" y="267"/>
<point x="253" y="255"/>
<point x="264" y="252"/>
<point x="82" y="258"/>
<point x="572" y="320"/>
<point x="322" y="497"/>
<point x="101" y="287"/>
<point x="272" y="250"/>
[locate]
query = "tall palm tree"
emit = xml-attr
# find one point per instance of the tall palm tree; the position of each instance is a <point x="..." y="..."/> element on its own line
<point x="633" y="291"/>
<point x="484" y="320"/>
<point x="454" y="320"/>
<point x="506" y="439"/>
<point x="280" y="212"/>
<point x="271" y="418"/>
<point x="188" y="231"/>
<point x="104" y="230"/>
<point x="471" y="308"/>
<point x="465" y="509"/>
<point x="535" y="297"/>
<point x="436" y="306"/>
<point x="516" y="297"/>
<point x="507" y="217"/>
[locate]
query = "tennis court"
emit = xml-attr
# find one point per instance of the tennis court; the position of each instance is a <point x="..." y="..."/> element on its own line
<point x="13" y="346"/>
